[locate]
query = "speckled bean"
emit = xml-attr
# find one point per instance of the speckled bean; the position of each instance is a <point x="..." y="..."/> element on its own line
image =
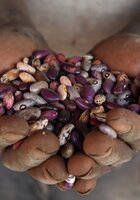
<point x="25" y="67"/>
<point x="26" y="77"/>
<point x="64" y="134"/>
<point x="39" y="125"/>
<point x="38" y="100"/>
<point x="37" y="86"/>
<point x="64" y="80"/>
<point x="20" y="105"/>
<point x="31" y="113"/>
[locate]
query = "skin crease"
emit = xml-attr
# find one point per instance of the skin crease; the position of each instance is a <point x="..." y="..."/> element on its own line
<point x="116" y="51"/>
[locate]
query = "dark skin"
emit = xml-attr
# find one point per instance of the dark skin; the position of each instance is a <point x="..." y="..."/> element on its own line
<point x="102" y="153"/>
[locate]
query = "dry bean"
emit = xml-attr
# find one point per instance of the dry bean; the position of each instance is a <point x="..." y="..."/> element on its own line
<point x="72" y="93"/>
<point x="108" y="75"/>
<point x="69" y="182"/>
<point x="67" y="150"/>
<point x="52" y="73"/>
<point x="82" y="103"/>
<point x="108" y="130"/>
<point x="37" y="86"/>
<point x="9" y="76"/>
<point x="54" y="85"/>
<point x="62" y="91"/>
<point x="31" y="113"/>
<point x="49" y="114"/>
<point x="84" y="74"/>
<point x="26" y="77"/>
<point x="8" y="100"/>
<point x="64" y="80"/>
<point x="64" y="134"/>
<point x="38" y="100"/>
<point x="20" y="105"/>
<point x="70" y="105"/>
<point x="96" y="110"/>
<point x="39" y="125"/>
<point x="99" y="99"/>
<point x="99" y="68"/>
<point x="49" y="95"/>
<point x="25" y="67"/>
<point x="84" y="117"/>
<point x="50" y="127"/>
<point x="64" y="116"/>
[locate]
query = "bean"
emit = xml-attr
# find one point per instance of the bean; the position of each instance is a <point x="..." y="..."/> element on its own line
<point x="52" y="73"/>
<point x="64" y="80"/>
<point x="108" y="75"/>
<point x="84" y="74"/>
<point x="49" y="114"/>
<point x="77" y="139"/>
<point x="40" y="54"/>
<point x="64" y="134"/>
<point x="80" y="79"/>
<point x="20" y="105"/>
<point x="38" y="125"/>
<point x="88" y="93"/>
<point x="108" y="130"/>
<point x="72" y="93"/>
<point x="8" y="100"/>
<point x="120" y="87"/>
<point x="64" y="116"/>
<point x="99" y="68"/>
<point x="9" y="76"/>
<point x="49" y="95"/>
<point x="108" y="85"/>
<point x="25" y="67"/>
<point x="62" y="91"/>
<point x="26" y="77"/>
<point x="70" y="105"/>
<point x="82" y="103"/>
<point x="37" y="86"/>
<point x="67" y="150"/>
<point x="38" y="100"/>
<point x="31" y="113"/>
<point x="99" y="99"/>
<point x="84" y="117"/>
<point x="50" y="127"/>
<point x="69" y="182"/>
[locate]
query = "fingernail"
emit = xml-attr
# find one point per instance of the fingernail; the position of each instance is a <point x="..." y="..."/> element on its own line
<point x="108" y="130"/>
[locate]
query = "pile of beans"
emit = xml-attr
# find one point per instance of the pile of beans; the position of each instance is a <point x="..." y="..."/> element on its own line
<point x="67" y="96"/>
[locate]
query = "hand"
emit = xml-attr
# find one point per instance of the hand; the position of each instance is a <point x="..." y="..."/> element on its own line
<point x="37" y="153"/>
<point x="120" y="52"/>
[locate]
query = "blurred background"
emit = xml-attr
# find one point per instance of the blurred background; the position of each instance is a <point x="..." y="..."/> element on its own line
<point x="74" y="27"/>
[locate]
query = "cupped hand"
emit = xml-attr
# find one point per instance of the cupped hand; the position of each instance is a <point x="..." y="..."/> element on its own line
<point x="37" y="153"/>
<point x="103" y="153"/>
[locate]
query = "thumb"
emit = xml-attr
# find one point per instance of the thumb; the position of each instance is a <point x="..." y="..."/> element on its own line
<point x="121" y="52"/>
<point x="127" y="125"/>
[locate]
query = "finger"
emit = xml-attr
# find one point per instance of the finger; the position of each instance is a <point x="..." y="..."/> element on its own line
<point x="32" y="152"/>
<point x="118" y="53"/>
<point x="81" y="186"/>
<point x="106" y="150"/>
<point x="12" y="129"/>
<point x="127" y="125"/>
<point x="84" y="167"/>
<point x="84" y="187"/>
<point x="51" y="171"/>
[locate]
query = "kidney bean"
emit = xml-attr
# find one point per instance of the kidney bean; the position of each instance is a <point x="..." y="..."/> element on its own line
<point x="82" y="103"/>
<point x="37" y="86"/>
<point x="20" y="105"/>
<point x="49" y="114"/>
<point x="31" y="113"/>
<point x="67" y="150"/>
<point x="49" y="95"/>
<point x="64" y="116"/>
<point x="38" y="100"/>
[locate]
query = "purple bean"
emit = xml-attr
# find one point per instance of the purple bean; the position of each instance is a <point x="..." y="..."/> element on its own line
<point x="112" y="105"/>
<point x="57" y="127"/>
<point x="109" y="75"/>
<point x="58" y="105"/>
<point x="120" y="87"/>
<point x="49" y="95"/>
<point x="70" y="68"/>
<point x="64" y="116"/>
<point x="80" y="79"/>
<point x="70" y="105"/>
<point x="108" y="85"/>
<point x="7" y="87"/>
<point x="96" y="74"/>
<point x="18" y="96"/>
<point x="72" y="78"/>
<point x="77" y="139"/>
<point x="52" y="73"/>
<point x="50" y="127"/>
<point x="88" y="93"/>
<point x="82" y="103"/>
<point x="110" y="97"/>
<point x="134" y="108"/>
<point x="99" y="68"/>
<point x="124" y="99"/>
<point x="24" y="86"/>
<point x="49" y="114"/>
<point x="96" y="85"/>
<point x="76" y="116"/>
<point x="40" y="54"/>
